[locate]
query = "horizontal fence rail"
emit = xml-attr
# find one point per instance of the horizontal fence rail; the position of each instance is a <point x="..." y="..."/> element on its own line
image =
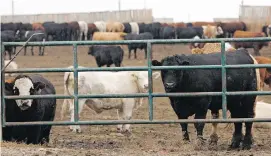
<point x="224" y="93"/>
<point x="156" y="41"/>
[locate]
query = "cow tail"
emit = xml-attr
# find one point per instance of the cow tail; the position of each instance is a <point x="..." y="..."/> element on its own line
<point x="66" y="92"/>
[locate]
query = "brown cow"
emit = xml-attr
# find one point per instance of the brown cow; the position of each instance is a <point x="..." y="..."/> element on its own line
<point x="257" y="46"/>
<point x="230" y="27"/>
<point x="179" y="25"/>
<point x="114" y="27"/>
<point x="91" y="30"/>
<point x="37" y="26"/>
<point x="199" y="24"/>
<point x="265" y="73"/>
<point x="108" y="36"/>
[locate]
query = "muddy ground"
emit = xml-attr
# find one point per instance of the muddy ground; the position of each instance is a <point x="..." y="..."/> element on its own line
<point x="146" y="139"/>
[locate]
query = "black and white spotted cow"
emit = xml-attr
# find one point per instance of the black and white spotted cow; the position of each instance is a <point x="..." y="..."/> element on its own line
<point x="29" y="110"/>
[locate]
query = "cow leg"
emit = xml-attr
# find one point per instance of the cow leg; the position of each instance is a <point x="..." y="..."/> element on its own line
<point x="145" y="49"/>
<point x="214" y="137"/>
<point x="14" y="50"/>
<point x="237" y="135"/>
<point x="128" y="106"/>
<point x="81" y="102"/>
<point x="33" y="134"/>
<point x="43" y="47"/>
<point x="32" y="51"/>
<point x="120" y="116"/>
<point x="201" y="114"/>
<point x="249" y="104"/>
<point x="129" y="55"/>
<point x="25" y="48"/>
<point x="135" y="54"/>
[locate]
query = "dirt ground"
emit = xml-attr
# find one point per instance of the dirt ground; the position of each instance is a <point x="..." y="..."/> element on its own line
<point x="146" y="139"/>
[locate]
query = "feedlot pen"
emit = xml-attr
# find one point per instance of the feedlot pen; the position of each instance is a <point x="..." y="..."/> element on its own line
<point x="150" y="139"/>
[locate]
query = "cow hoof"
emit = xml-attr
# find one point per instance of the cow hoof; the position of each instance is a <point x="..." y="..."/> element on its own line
<point x="236" y="141"/>
<point x="213" y="139"/>
<point x="127" y="132"/>
<point x="186" y="137"/>
<point x="200" y="141"/>
<point x="248" y="140"/>
<point x="76" y="129"/>
<point x="119" y="130"/>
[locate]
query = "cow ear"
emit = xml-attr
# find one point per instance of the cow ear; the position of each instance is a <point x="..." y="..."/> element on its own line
<point x="182" y="61"/>
<point x="156" y="63"/>
<point x="39" y="85"/>
<point x="9" y="86"/>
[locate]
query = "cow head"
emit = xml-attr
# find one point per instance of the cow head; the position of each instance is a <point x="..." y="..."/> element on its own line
<point x="23" y="85"/>
<point x="219" y="31"/>
<point x="141" y="78"/>
<point x="92" y="49"/>
<point x="267" y="78"/>
<point x="171" y="78"/>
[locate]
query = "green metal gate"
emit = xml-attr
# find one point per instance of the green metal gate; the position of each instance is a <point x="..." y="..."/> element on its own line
<point x="148" y="68"/>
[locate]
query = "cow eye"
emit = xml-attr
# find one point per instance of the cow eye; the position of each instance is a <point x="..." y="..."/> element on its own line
<point x="16" y="91"/>
<point x="31" y="91"/>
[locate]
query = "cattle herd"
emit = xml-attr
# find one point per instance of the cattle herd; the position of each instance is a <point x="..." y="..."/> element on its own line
<point x="131" y="82"/>
<point x="101" y="30"/>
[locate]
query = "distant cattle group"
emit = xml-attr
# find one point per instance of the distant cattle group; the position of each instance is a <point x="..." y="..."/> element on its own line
<point x="113" y="30"/>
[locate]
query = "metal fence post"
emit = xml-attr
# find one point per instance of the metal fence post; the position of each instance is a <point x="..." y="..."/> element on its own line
<point x="1" y="65"/>
<point x="224" y="80"/>
<point x="149" y="58"/>
<point x="75" y="75"/>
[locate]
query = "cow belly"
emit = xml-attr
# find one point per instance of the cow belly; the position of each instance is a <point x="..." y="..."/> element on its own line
<point x="98" y="105"/>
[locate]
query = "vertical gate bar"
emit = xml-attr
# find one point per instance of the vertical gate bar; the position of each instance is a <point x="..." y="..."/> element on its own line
<point x="75" y="75"/>
<point x="224" y="84"/>
<point x="1" y="104"/>
<point x="3" y="111"/>
<point x="149" y="58"/>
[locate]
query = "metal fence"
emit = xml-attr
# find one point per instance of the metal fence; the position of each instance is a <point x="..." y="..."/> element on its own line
<point x="150" y="93"/>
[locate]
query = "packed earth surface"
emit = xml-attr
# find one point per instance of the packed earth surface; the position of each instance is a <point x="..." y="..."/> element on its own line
<point x="158" y="139"/>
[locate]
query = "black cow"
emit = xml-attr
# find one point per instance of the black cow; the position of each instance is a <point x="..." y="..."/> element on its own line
<point x="154" y="29"/>
<point x="135" y="46"/>
<point x="127" y="28"/>
<point x="27" y="26"/>
<point x="266" y="30"/>
<point x="209" y="80"/>
<point x="8" y="36"/>
<point x="107" y="55"/>
<point x="141" y="27"/>
<point x="199" y="31"/>
<point x="167" y="32"/>
<point x="65" y="31"/>
<point x="186" y="33"/>
<point x="30" y="109"/>
<point x="25" y="35"/>
<point x="53" y="30"/>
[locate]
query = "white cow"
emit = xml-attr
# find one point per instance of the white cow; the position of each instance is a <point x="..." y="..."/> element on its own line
<point x="101" y="25"/>
<point x="134" y="27"/>
<point x="13" y="65"/>
<point x="263" y="110"/>
<point x="122" y="82"/>
<point x="83" y="30"/>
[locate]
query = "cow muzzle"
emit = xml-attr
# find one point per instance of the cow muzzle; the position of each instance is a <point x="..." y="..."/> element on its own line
<point x="25" y="105"/>
<point x="170" y="85"/>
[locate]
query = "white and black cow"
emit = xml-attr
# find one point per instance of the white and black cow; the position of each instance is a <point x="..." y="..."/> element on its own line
<point x="27" y="110"/>
<point x="209" y="80"/>
<point x="122" y="82"/>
